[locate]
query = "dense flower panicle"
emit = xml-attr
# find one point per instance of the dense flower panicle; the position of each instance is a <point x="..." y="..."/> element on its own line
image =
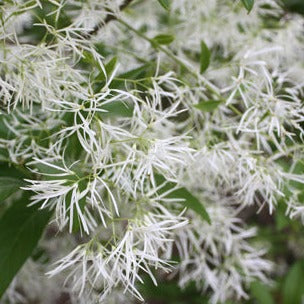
<point x="227" y="259"/>
<point x="139" y="248"/>
<point x="97" y="112"/>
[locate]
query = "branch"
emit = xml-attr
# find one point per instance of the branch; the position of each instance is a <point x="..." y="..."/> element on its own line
<point x="110" y="16"/>
<point x="108" y="19"/>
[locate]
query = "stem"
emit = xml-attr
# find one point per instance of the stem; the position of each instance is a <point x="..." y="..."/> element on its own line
<point x="178" y="61"/>
<point x="111" y="16"/>
<point x="158" y="47"/>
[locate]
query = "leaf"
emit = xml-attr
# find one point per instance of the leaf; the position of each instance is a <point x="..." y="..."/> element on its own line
<point x="8" y="186"/>
<point x="293" y="288"/>
<point x="111" y="65"/>
<point x="208" y="106"/>
<point x="191" y="202"/>
<point x="261" y="293"/>
<point x="281" y="220"/>
<point x="88" y="58"/>
<point x="20" y="230"/>
<point x="109" y="68"/>
<point x="165" y="4"/>
<point x="294" y="6"/>
<point x="137" y="73"/>
<point x="248" y="4"/>
<point x="168" y="289"/>
<point x="3" y="128"/>
<point x="163" y="39"/>
<point x="204" y="57"/>
<point x="188" y="201"/>
<point x="117" y="108"/>
<point x="16" y="172"/>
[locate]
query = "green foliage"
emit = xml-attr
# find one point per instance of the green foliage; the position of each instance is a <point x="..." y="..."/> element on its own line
<point x="9" y="186"/>
<point x="117" y="108"/>
<point x="293" y="6"/>
<point x="165" y="4"/>
<point x="261" y="293"/>
<point x="204" y="57"/>
<point x="45" y="12"/>
<point x="208" y="106"/>
<point x="280" y="217"/>
<point x="163" y="39"/>
<point x="20" y="230"/>
<point x="21" y="226"/>
<point x="293" y="288"/>
<point x="143" y="71"/>
<point x="109" y="68"/>
<point x="182" y="196"/>
<point x="167" y="292"/>
<point x="248" y="4"/>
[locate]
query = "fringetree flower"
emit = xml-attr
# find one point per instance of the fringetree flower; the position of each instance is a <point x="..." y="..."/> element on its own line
<point x="140" y="135"/>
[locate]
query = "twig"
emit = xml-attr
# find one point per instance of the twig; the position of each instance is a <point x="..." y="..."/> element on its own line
<point x="111" y="16"/>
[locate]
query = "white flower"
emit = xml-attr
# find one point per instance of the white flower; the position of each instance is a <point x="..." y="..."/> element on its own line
<point x="219" y="256"/>
<point x="71" y="196"/>
<point x="98" y="168"/>
<point x="143" y="242"/>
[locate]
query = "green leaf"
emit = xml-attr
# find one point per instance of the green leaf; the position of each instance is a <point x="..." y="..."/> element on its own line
<point x="117" y="108"/>
<point x="111" y="65"/>
<point x="191" y="202"/>
<point x="293" y="289"/>
<point x="137" y="73"/>
<point x="281" y="220"/>
<point x="163" y="39"/>
<point x="109" y="68"/>
<point x="168" y="289"/>
<point x="188" y="200"/>
<point x="4" y="131"/>
<point x="8" y="186"/>
<point x="208" y="106"/>
<point x="204" y="57"/>
<point x="248" y="4"/>
<point x="20" y="230"/>
<point x="294" y="6"/>
<point x="89" y="58"/>
<point x="261" y="293"/>
<point x="165" y="4"/>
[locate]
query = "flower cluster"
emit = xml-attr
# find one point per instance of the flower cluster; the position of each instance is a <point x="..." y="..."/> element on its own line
<point x="98" y="106"/>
